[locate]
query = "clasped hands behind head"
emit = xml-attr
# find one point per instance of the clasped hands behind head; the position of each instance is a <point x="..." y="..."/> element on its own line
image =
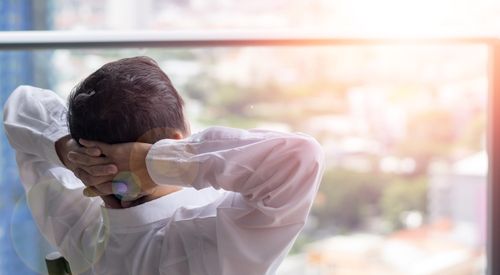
<point x="115" y="172"/>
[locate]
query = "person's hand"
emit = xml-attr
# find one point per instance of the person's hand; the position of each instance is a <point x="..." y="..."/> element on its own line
<point x="130" y="159"/>
<point x="88" y="165"/>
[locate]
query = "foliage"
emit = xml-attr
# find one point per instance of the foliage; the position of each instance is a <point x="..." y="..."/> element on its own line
<point x="403" y="195"/>
<point x="347" y="200"/>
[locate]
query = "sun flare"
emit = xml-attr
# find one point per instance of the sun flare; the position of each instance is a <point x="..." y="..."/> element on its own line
<point x="404" y="18"/>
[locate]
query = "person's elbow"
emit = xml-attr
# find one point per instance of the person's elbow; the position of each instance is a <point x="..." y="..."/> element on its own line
<point x="296" y="181"/>
<point x="11" y="109"/>
<point x="18" y="114"/>
<point x="15" y="103"/>
<point x="308" y="153"/>
<point x="305" y="161"/>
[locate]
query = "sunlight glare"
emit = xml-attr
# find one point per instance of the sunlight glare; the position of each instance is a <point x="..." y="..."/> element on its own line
<point x="404" y="18"/>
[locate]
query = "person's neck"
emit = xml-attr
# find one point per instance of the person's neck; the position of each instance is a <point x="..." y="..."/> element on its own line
<point x="157" y="193"/>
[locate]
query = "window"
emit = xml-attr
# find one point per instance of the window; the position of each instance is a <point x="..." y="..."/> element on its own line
<point x="404" y="126"/>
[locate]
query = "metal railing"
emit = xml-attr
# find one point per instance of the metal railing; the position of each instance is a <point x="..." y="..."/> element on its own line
<point x="33" y="40"/>
<point x="19" y="40"/>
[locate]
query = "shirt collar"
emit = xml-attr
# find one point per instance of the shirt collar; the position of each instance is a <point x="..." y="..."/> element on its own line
<point x="158" y="209"/>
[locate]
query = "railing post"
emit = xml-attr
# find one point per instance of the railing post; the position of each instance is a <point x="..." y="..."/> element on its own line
<point x="493" y="239"/>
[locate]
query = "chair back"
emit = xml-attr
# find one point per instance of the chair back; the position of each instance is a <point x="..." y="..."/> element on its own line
<point x="56" y="264"/>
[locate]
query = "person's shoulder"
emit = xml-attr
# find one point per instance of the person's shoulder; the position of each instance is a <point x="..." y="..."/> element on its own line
<point x="28" y="90"/>
<point x="223" y="132"/>
<point x="217" y="133"/>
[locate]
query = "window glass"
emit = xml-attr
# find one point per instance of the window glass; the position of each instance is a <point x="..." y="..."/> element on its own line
<point x="403" y="129"/>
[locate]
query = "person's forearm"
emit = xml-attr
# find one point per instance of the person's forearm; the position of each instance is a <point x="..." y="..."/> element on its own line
<point x="61" y="149"/>
<point x="276" y="169"/>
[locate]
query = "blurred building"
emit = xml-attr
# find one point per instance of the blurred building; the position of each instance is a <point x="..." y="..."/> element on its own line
<point x="16" y="68"/>
<point x="458" y="194"/>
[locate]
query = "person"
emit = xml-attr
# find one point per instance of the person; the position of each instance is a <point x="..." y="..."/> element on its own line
<point x="116" y="182"/>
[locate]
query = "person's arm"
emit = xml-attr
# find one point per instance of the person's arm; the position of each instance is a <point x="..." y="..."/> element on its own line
<point x="34" y="119"/>
<point x="269" y="169"/>
<point x="273" y="177"/>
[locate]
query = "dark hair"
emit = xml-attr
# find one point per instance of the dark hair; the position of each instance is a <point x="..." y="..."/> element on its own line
<point x="124" y="100"/>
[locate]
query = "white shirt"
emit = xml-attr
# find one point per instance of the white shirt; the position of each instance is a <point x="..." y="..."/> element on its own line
<point x="246" y="197"/>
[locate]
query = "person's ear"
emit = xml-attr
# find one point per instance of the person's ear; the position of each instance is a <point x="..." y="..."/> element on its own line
<point x="156" y="134"/>
<point x="177" y="135"/>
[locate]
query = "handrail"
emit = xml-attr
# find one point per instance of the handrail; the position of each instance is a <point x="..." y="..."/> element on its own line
<point x="29" y="40"/>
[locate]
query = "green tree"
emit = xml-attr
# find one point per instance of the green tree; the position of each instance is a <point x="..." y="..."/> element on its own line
<point x="349" y="198"/>
<point x="403" y="195"/>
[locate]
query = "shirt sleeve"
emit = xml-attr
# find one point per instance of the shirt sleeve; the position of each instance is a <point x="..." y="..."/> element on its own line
<point x="273" y="176"/>
<point x="34" y="119"/>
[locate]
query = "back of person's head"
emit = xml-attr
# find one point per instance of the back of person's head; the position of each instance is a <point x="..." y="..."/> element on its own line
<point x="127" y="100"/>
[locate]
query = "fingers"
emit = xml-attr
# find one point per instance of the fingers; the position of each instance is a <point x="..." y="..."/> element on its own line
<point x="100" y="170"/>
<point x="96" y="144"/>
<point x="93" y="151"/>
<point x="84" y="159"/>
<point x="119" y="190"/>
<point x="90" y="192"/>
<point x="94" y="166"/>
<point x="87" y="143"/>
<point x="103" y="189"/>
<point x="91" y="180"/>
